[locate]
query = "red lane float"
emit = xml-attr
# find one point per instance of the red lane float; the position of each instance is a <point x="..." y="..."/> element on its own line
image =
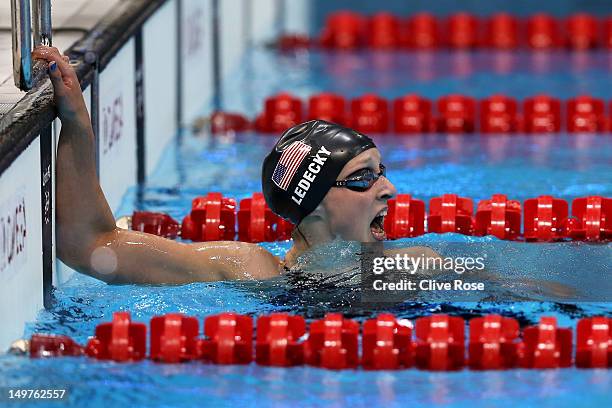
<point x="386" y="343"/>
<point x="290" y="42"/>
<point x="543" y="32"/>
<point x="405" y="217"/>
<point x="582" y="31"/>
<point x="120" y="340"/>
<point x="594" y="342"/>
<point x="227" y="122"/>
<point x="280" y="113"/>
<point x="212" y="218"/>
<point x="542" y="114"/>
<point x="343" y="30"/>
<point x="450" y="213"/>
<point x="499" y="217"/>
<point x="585" y="114"/>
<point x="422" y="32"/>
<point x="327" y="106"/>
<point x="493" y="343"/>
<point x="501" y="31"/>
<point x="440" y="343"/>
<point x="607" y="32"/>
<point x="257" y="222"/>
<point x="52" y="345"/>
<point x="155" y="223"/>
<point x="457" y="114"/>
<point x="229" y="339"/>
<point x="383" y="31"/>
<point x="462" y="31"/>
<point x="412" y="114"/>
<point x="277" y="340"/>
<point x="174" y="338"/>
<point x="592" y="219"/>
<point x="350" y="30"/>
<point x="545" y="218"/>
<point x="333" y="343"/>
<point x="546" y="346"/>
<point x="370" y="114"/>
<point x="498" y="114"/>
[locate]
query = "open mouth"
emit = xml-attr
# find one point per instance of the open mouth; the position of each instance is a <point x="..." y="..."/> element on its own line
<point x="377" y="226"/>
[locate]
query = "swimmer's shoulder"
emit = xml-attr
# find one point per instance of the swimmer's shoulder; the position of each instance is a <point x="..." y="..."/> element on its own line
<point x="251" y="261"/>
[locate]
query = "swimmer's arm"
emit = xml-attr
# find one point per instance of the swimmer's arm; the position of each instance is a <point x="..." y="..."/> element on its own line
<point x="87" y="237"/>
<point x="123" y="256"/>
<point x="82" y="212"/>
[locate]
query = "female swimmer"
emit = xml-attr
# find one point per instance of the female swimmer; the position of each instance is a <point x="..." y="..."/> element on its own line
<point x="327" y="179"/>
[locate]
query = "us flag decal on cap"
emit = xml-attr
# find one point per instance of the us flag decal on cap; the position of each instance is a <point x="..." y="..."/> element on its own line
<point x="287" y="166"/>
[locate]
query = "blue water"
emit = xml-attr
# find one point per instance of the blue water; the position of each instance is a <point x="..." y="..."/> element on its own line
<point x="521" y="166"/>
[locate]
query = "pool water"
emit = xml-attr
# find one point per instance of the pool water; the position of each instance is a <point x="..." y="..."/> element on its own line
<point x="521" y="166"/>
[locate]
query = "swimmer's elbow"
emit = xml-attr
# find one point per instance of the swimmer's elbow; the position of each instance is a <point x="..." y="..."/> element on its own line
<point x="86" y="255"/>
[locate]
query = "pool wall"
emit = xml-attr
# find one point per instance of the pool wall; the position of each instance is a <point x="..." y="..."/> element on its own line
<point x="147" y="69"/>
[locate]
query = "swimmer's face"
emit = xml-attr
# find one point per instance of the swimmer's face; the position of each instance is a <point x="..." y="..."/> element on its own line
<point x="354" y="215"/>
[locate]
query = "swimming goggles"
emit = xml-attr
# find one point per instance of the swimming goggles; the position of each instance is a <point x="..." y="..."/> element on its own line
<point x="362" y="180"/>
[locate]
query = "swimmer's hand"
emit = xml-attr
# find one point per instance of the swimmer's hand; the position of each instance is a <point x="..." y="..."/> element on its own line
<point x="68" y="95"/>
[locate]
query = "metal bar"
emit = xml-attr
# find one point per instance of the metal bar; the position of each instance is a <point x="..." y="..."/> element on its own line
<point x="46" y="195"/>
<point x="36" y="22"/>
<point x="179" y="65"/>
<point x="216" y="48"/>
<point x="41" y="22"/>
<point x="140" y="107"/>
<point x="22" y="43"/>
<point x="45" y="22"/>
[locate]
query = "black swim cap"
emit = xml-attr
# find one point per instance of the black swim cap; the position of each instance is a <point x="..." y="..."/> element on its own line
<point x="305" y="164"/>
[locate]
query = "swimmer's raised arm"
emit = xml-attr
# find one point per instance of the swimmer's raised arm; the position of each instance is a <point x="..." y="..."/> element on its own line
<point x="87" y="237"/>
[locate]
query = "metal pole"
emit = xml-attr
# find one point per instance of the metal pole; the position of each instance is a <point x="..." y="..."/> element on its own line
<point x="22" y="43"/>
<point x="45" y="22"/>
<point x="36" y="22"/>
<point x="41" y="17"/>
<point x="216" y="48"/>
